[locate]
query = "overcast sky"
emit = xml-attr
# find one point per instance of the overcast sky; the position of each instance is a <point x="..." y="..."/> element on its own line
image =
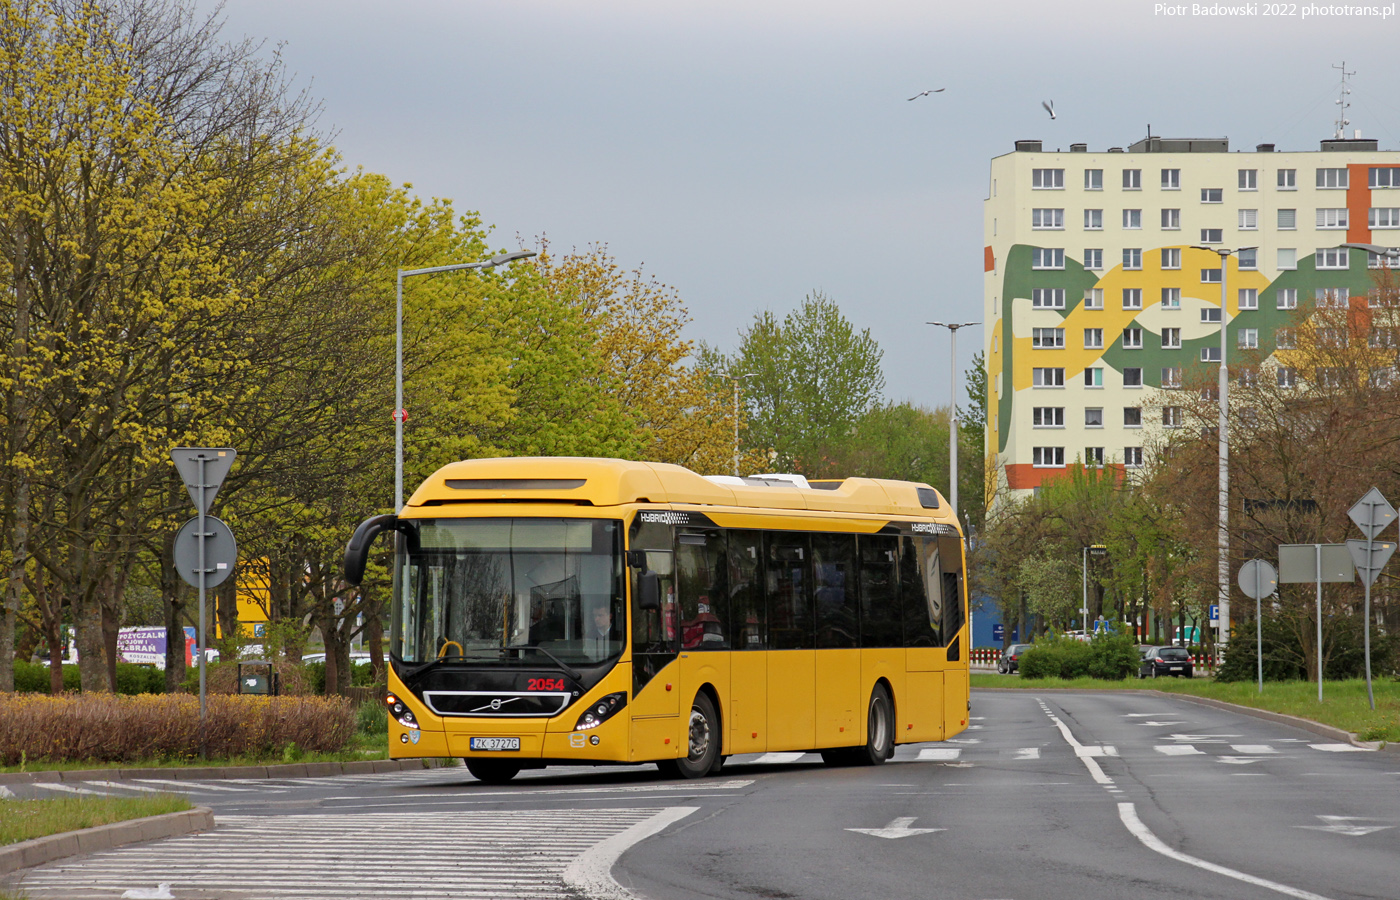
<point x="750" y="151"/>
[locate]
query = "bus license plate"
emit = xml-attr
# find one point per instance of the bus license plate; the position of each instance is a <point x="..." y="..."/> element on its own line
<point x="495" y="743"/>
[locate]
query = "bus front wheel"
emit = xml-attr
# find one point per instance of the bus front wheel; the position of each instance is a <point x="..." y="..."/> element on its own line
<point x="492" y="771"/>
<point x="702" y="742"/>
<point x="879" y="729"/>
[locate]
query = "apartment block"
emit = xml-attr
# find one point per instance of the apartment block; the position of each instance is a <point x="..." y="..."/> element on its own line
<point x="1102" y="282"/>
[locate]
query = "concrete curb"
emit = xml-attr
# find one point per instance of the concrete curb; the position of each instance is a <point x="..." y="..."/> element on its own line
<point x="1318" y="728"/>
<point x="104" y="837"/>
<point x="205" y="773"/>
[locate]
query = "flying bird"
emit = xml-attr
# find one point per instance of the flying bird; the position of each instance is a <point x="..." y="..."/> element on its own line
<point x="1049" y="107"/>
<point x="926" y="93"/>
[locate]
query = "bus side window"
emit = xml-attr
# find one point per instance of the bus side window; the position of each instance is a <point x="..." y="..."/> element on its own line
<point x="950" y="553"/>
<point x="653" y="630"/>
<point x="879" y="592"/>
<point x="920" y="628"/>
<point x="834" y="590"/>
<point x="702" y="582"/>
<point x="789" y="597"/>
<point x="748" y="616"/>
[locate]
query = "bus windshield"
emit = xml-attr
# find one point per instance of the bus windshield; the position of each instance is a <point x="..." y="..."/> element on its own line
<point x="474" y="588"/>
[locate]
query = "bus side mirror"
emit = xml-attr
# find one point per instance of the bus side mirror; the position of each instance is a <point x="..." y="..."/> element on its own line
<point x="649" y="591"/>
<point x="357" y="551"/>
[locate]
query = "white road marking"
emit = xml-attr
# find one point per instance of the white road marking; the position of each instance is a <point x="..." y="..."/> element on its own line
<point x="130" y="787"/>
<point x="974" y="727"/>
<point x="1159" y="724"/>
<point x="1089" y="762"/>
<point x="591" y="873"/>
<point x="1338" y="825"/>
<point x="201" y="786"/>
<point x="55" y="786"/>
<point x="1139" y="715"/>
<point x="1027" y="753"/>
<point x="898" y="828"/>
<point x="1178" y="750"/>
<point x="1252" y="749"/>
<point x="1240" y="760"/>
<point x="1202" y="738"/>
<point x="1338" y="748"/>
<point x="664" y="788"/>
<point x="976" y="718"/>
<point x="1097" y="750"/>
<point x="963" y="741"/>
<point x="1128" y="813"/>
<point x="939" y="754"/>
<point x="6" y="792"/>
<point x="768" y="758"/>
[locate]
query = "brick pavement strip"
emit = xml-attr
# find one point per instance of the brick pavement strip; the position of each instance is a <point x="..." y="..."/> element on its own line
<point x="104" y="837"/>
<point x="208" y="773"/>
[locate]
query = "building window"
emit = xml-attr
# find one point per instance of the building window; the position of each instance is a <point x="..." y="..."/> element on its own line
<point x="1132" y="219"/>
<point x="1287" y="219"/>
<point x="1171" y="179"/>
<point x="1093" y="179"/>
<point x="1132" y="457"/>
<point x="1047" y="457"/>
<point x="1382" y="338"/>
<point x="1335" y="298"/>
<point x="1132" y="377"/>
<point x="1332" y="258"/>
<point x="1210" y="315"/>
<point x="1132" y="258"/>
<point x="1047" y="378"/>
<point x="1212" y="235"/>
<point x="1047" y="258"/>
<point x="1332" y="217"/>
<point x="1287" y="376"/>
<point x="1093" y="417"/>
<point x="1249" y="179"/>
<point x="1171" y="258"/>
<point x="1171" y="298"/>
<point x="1171" y="338"/>
<point x="1385" y="216"/>
<point x="1171" y="416"/>
<point x="1285" y="339"/>
<point x="1249" y="298"/>
<point x="1132" y="179"/>
<point x="1382" y="377"/>
<point x="1093" y="298"/>
<point x="1093" y="457"/>
<point x="1093" y="377"/>
<point x="1249" y="220"/>
<point x="1333" y="179"/>
<point x="1171" y="220"/>
<point x="1048" y="219"/>
<point x="1286" y="298"/>
<point x="1210" y="354"/>
<point x="1387" y="177"/>
<point x="1093" y="220"/>
<point x="1377" y="261"/>
<point x="1212" y="195"/>
<point x="1210" y="276"/>
<point x="1132" y="417"/>
<point x="1048" y="417"/>
<point x="1171" y="377"/>
<point x="1249" y="258"/>
<point x="1329" y="376"/>
<point x="1093" y="259"/>
<point x="1132" y="338"/>
<point x="1288" y="179"/>
<point x="1287" y="259"/>
<point x="1132" y="298"/>
<point x="1247" y="338"/>
<point x="1048" y="179"/>
<point x="1047" y="338"/>
<point x="1332" y="337"/>
<point x="1047" y="298"/>
<point x="1093" y="339"/>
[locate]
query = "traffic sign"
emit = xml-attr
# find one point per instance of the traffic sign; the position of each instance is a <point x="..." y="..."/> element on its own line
<point x="1372" y="513"/>
<point x="217" y="461"/>
<point x="1214" y="613"/>
<point x="1370" y="557"/>
<point x="1297" y="563"/>
<point x="220" y="552"/>
<point x="400" y="415"/>
<point x="1257" y="579"/>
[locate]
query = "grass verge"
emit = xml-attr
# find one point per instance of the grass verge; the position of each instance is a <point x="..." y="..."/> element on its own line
<point x="25" y="820"/>
<point x="1344" y="703"/>
<point x="362" y="747"/>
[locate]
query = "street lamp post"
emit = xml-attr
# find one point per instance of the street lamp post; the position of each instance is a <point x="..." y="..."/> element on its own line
<point x="1222" y="569"/>
<point x="400" y="414"/>
<point x="953" y="410"/>
<point x="736" y="379"/>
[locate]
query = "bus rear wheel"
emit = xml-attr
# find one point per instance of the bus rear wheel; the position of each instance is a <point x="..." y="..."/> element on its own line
<point x="492" y="771"/>
<point x="702" y="743"/>
<point x="879" y="730"/>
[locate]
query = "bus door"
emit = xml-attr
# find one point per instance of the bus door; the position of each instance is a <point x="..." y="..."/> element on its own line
<point x="702" y="594"/>
<point x="746" y="719"/>
<point x="921" y="592"/>
<point x="955" y="675"/>
<point x="791" y="657"/>
<point x="655" y="699"/>
<point x="839" y="699"/>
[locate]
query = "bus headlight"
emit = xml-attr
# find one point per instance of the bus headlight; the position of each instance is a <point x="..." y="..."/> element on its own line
<point x="400" y="711"/>
<point x="600" y="710"/>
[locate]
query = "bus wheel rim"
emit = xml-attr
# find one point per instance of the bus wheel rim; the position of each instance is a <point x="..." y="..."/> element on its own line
<point x="699" y="734"/>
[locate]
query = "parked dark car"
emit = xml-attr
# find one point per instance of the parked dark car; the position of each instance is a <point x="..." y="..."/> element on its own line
<point x="1162" y="661"/>
<point x="1007" y="665"/>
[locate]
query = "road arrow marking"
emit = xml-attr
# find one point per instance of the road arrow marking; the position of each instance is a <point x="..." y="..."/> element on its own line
<point x="1338" y="825"/>
<point x="1178" y="749"/>
<point x="898" y="828"/>
<point x="1160" y="724"/>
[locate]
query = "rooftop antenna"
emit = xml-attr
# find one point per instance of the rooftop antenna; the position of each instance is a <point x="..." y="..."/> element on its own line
<point x="1343" y="104"/>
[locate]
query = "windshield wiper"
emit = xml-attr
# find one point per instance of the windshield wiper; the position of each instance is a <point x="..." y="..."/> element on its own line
<point x="568" y="670"/>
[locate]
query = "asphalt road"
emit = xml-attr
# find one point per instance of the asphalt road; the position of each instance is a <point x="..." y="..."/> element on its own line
<point x="1059" y="795"/>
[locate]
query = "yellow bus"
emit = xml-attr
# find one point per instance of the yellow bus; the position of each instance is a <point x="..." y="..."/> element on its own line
<point x="596" y="611"/>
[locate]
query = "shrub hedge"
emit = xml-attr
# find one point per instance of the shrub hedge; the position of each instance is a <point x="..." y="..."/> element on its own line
<point x="132" y="678"/>
<point x="1112" y="657"/>
<point x="115" y="728"/>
